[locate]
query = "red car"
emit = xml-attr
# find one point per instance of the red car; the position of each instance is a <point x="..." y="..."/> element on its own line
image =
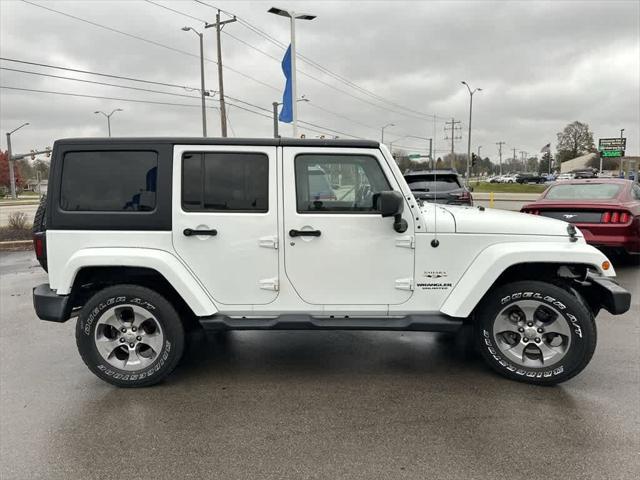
<point x="606" y="210"/>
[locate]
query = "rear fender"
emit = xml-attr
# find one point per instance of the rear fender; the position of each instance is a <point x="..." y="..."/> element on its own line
<point x="176" y="273"/>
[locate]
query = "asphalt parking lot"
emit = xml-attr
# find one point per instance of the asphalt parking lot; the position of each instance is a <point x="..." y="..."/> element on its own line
<point x="275" y="405"/>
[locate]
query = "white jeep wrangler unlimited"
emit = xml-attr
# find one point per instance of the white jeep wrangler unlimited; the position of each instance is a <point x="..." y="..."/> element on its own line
<point x="144" y="239"/>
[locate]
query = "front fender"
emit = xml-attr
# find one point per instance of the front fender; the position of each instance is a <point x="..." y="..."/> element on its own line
<point x="191" y="291"/>
<point x="495" y="259"/>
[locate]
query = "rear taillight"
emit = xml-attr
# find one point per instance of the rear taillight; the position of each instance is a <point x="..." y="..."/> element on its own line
<point x="40" y="248"/>
<point x="615" y="217"/>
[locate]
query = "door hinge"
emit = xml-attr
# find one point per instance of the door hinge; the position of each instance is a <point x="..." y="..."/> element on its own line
<point x="268" y="242"/>
<point x="406" y="242"/>
<point x="404" y="284"/>
<point x="269" y="284"/>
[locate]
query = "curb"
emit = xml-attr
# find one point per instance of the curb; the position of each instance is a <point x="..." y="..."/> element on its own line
<point x="15" y="245"/>
<point x="26" y="203"/>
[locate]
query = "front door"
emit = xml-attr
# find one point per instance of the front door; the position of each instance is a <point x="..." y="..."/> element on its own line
<point x="225" y="220"/>
<point x="338" y="249"/>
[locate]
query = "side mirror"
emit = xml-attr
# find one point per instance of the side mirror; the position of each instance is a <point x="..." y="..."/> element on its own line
<point x="470" y="188"/>
<point x="391" y="204"/>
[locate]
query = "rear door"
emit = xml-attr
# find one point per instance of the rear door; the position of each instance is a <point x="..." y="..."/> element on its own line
<point x="225" y="220"/>
<point x="338" y="249"/>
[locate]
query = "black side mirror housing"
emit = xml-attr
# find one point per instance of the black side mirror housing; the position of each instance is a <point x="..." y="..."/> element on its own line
<point x="391" y="204"/>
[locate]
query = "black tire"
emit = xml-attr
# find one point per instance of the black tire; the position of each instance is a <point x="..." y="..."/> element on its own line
<point x="39" y="220"/>
<point x="164" y="361"/>
<point x="578" y="317"/>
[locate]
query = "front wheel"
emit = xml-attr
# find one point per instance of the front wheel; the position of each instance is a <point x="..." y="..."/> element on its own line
<point x="129" y="336"/>
<point x="535" y="332"/>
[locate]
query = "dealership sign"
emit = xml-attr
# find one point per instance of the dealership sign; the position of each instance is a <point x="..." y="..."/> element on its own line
<point x="612" y="147"/>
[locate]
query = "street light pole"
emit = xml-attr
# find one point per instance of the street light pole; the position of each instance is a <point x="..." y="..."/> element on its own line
<point x="12" y="175"/>
<point x="471" y="92"/>
<point x="108" y="117"/>
<point x="275" y="119"/>
<point x="202" y="90"/>
<point x="621" y="158"/>
<point x="294" y="86"/>
<point x="387" y="125"/>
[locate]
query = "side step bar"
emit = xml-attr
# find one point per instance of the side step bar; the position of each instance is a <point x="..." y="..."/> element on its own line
<point x="418" y="323"/>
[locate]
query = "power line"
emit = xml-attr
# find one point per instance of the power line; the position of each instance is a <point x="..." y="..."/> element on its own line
<point x="151" y="42"/>
<point x="320" y="67"/>
<point x="140" y="80"/>
<point x="97" y="83"/>
<point x="278" y="60"/>
<point x="68" y="69"/>
<point x="133" y="100"/>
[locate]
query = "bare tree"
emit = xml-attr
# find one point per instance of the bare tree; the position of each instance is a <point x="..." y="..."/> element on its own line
<point x="576" y="139"/>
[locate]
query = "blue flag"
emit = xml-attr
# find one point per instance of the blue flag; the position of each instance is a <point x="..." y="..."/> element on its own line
<point x="286" y="114"/>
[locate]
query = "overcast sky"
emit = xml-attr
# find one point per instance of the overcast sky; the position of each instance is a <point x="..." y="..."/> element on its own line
<point x="541" y="65"/>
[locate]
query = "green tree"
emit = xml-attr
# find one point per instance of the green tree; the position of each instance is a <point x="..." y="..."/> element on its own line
<point x="576" y="139"/>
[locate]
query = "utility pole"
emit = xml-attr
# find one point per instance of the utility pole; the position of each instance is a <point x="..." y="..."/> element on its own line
<point x="223" y="109"/>
<point x="500" y="154"/>
<point x="523" y="157"/>
<point x="515" y="158"/>
<point x="453" y="124"/>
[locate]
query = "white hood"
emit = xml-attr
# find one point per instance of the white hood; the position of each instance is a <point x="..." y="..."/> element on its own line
<point x="490" y="220"/>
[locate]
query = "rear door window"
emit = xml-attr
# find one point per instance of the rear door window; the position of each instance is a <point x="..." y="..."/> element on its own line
<point x="109" y="181"/>
<point x="225" y="181"/>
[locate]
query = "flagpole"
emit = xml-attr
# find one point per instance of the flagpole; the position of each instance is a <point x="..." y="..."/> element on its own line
<point x="294" y="87"/>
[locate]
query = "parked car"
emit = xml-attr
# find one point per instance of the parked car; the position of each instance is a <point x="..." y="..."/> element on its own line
<point x="607" y="211"/>
<point x="585" y="173"/>
<point x="144" y="239"/>
<point x="565" y="176"/>
<point x="530" y="178"/>
<point x="439" y="186"/>
<point x="511" y="178"/>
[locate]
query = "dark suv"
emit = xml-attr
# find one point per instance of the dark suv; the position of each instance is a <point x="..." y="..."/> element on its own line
<point x="439" y="186"/>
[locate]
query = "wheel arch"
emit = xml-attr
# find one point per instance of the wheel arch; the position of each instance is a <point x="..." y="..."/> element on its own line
<point x="503" y="263"/>
<point x="158" y="270"/>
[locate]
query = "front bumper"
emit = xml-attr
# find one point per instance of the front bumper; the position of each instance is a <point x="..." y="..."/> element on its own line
<point x="608" y="294"/>
<point x="51" y="306"/>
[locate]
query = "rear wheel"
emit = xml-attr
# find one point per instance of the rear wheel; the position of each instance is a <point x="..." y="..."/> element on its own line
<point x="535" y="332"/>
<point x="129" y="336"/>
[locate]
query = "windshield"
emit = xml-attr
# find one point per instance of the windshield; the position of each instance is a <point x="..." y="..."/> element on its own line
<point x="426" y="183"/>
<point x="584" y="191"/>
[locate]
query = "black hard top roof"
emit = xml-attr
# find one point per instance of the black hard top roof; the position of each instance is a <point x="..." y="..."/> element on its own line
<point x="276" y="142"/>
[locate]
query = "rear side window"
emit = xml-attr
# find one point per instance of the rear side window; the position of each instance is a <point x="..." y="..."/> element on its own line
<point x="584" y="191"/>
<point x="427" y="183"/>
<point x="215" y="181"/>
<point x="109" y="181"/>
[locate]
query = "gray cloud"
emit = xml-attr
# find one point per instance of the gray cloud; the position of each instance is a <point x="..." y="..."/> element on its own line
<point x="541" y="65"/>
